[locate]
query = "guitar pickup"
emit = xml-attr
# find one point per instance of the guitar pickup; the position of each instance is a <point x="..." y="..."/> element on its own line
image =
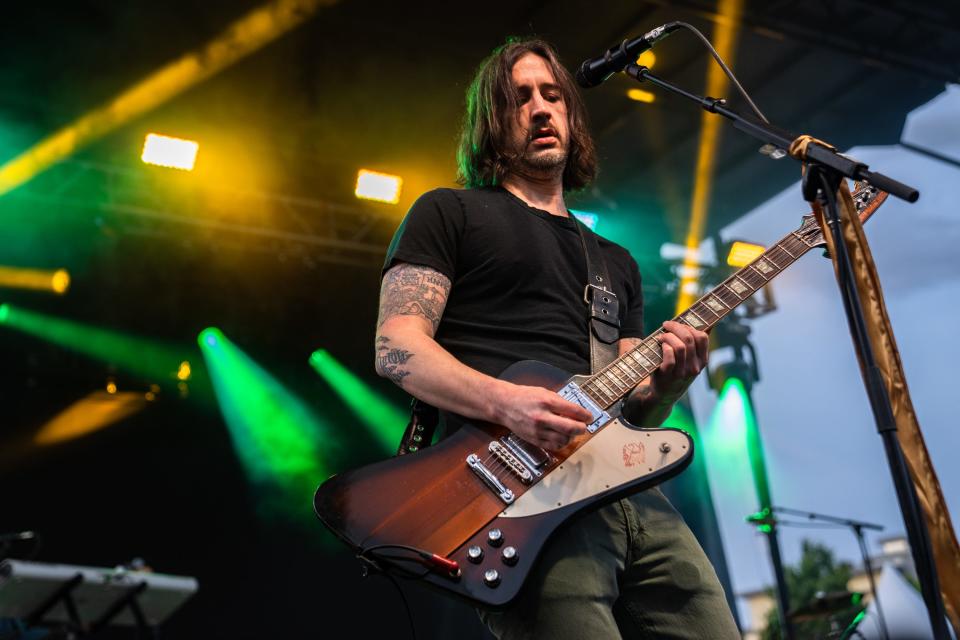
<point x="573" y="393"/>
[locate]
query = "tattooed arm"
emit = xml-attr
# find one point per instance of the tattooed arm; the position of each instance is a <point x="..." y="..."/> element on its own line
<point x="412" y="301"/>
<point x="684" y="356"/>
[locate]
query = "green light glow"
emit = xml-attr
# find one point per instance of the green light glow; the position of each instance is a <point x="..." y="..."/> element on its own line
<point x="734" y="425"/>
<point x="275" y="434"/>
<point x="384" y="420"/>
<point x="149" y="359"/>
<point x="681" y="418"/>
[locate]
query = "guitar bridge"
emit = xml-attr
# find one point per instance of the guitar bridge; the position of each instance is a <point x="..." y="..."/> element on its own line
<point x="488" y="477"/>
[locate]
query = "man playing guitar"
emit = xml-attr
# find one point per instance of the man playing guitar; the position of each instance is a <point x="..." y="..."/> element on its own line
<point x="478" y="278"/>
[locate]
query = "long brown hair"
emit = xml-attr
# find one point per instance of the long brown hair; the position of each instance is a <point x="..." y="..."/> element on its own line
<point x="484" y="155"/>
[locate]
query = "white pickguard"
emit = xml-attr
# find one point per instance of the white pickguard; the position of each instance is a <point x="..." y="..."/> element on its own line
<point x="613" y="457"/>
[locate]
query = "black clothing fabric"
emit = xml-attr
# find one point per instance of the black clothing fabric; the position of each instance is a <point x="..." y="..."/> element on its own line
<point x="518" y="275"/>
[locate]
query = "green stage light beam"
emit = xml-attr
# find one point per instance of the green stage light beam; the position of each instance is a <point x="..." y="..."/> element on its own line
<point x="727" y="432"/>
<point x="276" y="436"/>
<point x="149" y="359"/>
<point x="384" y="420"/>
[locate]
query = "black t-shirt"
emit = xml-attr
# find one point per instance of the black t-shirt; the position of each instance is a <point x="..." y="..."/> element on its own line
<point x="518" y="275"/>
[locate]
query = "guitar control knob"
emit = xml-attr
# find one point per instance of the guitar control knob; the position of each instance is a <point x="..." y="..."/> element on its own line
<point x="509" y="555"/>
<point x="491" y="578"/>
<point x="495" y="537"/>
<point x="475" y="554"/>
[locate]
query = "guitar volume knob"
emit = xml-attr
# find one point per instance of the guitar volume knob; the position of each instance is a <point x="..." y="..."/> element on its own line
<point x="495" y="537"/>
<point x="491" y="578"/>
<point x="510" y="556"/>
<point x="475" y="554"/>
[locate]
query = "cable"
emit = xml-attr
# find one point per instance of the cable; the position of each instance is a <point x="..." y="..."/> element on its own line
<point x="406" y="605"/>
<point x="372" y="562"/>
<point x="726" y="69"/>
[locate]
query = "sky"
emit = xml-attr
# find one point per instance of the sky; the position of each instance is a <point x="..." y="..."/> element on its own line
<point x="822" y="449"/>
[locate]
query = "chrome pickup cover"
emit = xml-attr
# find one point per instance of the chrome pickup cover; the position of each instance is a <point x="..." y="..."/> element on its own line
<point x="575" y="394"/>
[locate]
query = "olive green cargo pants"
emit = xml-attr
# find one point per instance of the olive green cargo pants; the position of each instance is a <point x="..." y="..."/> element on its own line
<point x="631" y="570"/>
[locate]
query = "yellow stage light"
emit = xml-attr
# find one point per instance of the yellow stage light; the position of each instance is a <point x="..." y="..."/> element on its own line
<point x="247" y="34"/>
<point x="111" y="387"/>
<point x="725" y="35"/>
<point x="183" y="372"/>
<point x="641" y="96"/>
<point x="166" y="151"/>
<point x="89" y="414"/>
<point x="647" y="58"/>
<point x="743" y="253"/>
<point x="382" y="187"/>
<point x="37" y="279"/>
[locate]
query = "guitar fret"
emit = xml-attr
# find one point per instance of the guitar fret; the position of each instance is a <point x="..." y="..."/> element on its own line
<point x="692" y="319"/>
<point x="783" y="246"/>
<point x="757" y="271"/>
<point x="631" y="374"/>
<point x="611" y="376"/>
<point x="701" y="308"/>
<point x="774" y="256"/>
<point x="738" y="285"/>
<point x="716" y="303"/>
<point x="636" y="355"/>
<point x="605" y="390"/>
<point x="727" y="295"/>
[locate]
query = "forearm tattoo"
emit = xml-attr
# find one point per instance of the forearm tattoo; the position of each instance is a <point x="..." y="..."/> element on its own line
<point x="390" y="361"/>
<point x="413" y="290"/>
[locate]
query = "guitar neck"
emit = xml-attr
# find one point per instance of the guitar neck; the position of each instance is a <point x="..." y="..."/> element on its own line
<point x="617" y="379"/>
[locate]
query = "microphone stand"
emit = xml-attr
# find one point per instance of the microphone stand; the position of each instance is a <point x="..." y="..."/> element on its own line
<point x="857" y="528"/>
<point x="826" y="168"/>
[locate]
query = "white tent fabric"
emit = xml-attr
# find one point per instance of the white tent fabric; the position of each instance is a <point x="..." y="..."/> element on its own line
<point x="903" y="610"/>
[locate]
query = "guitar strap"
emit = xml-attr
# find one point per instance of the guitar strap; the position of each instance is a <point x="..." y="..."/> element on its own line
<point x="603" y="307"/>
<point x="602" y="311"/>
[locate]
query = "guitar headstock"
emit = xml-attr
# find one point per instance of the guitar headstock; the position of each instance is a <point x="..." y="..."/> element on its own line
<point x="866" y="199"/>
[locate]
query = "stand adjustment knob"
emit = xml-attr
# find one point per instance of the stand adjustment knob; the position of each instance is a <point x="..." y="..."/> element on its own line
<point x="495" y="537"/>
<point x="475" y="554"/>
<point x="491" y="578"/>
<point x="509" y="555"/>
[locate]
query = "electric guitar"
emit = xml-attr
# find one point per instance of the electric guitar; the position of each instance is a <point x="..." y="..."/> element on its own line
<point x="471" y="514"/>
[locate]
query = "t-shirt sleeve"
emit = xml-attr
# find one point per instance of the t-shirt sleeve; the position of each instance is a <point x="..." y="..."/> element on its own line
<point x="429" y="234"/>
<point x="631" y="323"/>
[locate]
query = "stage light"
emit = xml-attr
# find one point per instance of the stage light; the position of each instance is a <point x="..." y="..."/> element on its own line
<point x="165" y="151"/>
<point x="276" y="436"/>
<point x="111" y="387"/>
<point x="647" y="58"/>
<point x="98" y="410"/>
<point x="382" y="187"/>
<point x="240" y="38"/>
<point x="743" y="253"/>
<point x="140" y="356"/>
<point x="639" y="95"/>
<point x="589" y="219"/>
<point x="183" y="372"/>
<point x="382" y="419"/>
<point x="55" y="281"/>
<point x="725" y="39"/>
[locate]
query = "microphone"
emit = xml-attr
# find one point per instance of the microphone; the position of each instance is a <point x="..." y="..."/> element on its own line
<point x="594" y="71"/>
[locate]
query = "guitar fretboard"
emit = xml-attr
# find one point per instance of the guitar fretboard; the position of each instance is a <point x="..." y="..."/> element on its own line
<point x="619" y="377"/>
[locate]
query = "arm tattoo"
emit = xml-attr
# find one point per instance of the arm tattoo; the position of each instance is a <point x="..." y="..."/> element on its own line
<point x="413" y="290"/>
<point x="390" y="361"/>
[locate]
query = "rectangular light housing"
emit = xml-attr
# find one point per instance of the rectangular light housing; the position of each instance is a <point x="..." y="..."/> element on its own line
<point x="382" y="187"/>
<point x="165" y="151"/>
<point x="743" y="253"/>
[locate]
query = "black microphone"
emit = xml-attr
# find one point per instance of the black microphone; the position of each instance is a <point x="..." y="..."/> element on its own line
<point x="593" y="72"/>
